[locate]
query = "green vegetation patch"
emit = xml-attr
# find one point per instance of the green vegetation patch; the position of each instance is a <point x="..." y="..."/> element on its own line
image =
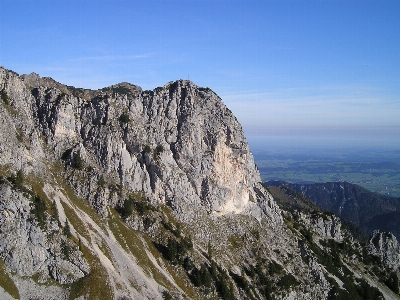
<point x="392" y="282"/>
<point x="290" y="200"/>
<point x="287" y="281"/>
<point x="146" y="149"/>
<point x="236" y="241"/>
<point x="96" y="284"/>
<point x="4" y="97"/>
<point x="138" y="244"/>
<point x="7" y="283"/>
<point x="136" y="202"/>
<point x="38" y="209"/>
<point x="40" y="204"/>
<point x="77" y="162"/>
<point x="157" y="151"/>
<point x="82" y="204"/>
<point x="331" y="258"/>
<point x="124" y="118"/>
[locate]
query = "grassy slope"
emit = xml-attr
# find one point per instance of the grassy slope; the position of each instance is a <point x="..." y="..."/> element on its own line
<point x="6" y="282"/>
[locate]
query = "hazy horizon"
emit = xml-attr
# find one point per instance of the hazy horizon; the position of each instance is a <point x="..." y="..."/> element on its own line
<point x="292" y="143"/>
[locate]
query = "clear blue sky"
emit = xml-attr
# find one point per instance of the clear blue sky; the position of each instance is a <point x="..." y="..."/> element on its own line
<point x="285" y="68"/>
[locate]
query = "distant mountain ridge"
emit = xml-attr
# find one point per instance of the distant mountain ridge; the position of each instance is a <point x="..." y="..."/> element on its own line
<point x="368" y="210"/>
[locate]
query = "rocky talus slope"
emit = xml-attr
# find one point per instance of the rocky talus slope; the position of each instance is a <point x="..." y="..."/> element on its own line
<point x="121" y="193"/>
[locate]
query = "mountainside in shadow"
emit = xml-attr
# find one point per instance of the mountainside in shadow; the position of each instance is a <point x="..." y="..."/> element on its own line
<point x="121" y="193"/>
<point x="368" y="210"/>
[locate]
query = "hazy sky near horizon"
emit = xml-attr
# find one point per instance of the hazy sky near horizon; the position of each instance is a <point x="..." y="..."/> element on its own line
<point x="285" y="68"/>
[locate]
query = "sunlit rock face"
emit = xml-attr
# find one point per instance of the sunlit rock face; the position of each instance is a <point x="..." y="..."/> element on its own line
<point x="179" y="143"/>
<point x="327" y="226"/>
<point x="386" y="246"/>
<point x="28" y="249"/>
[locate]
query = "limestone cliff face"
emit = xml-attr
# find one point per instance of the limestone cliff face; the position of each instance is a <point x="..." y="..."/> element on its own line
<point x="178" y="143"/>
<point x="29" y="249"/>
<point x="386" y="246"/>
<point x="326" y="226"/>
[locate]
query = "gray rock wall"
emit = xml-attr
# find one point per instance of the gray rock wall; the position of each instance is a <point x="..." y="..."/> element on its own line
<point x="386" y="246"/>
<point x="29" y="250"/>
<point x="198" y="153"/>
<point x="326" y="226"/>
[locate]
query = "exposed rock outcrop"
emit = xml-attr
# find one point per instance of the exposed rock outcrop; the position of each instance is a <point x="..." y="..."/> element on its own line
<point x="29" y="249"/>
<point x="386" y="246"/>
<point x="325" y="225"/>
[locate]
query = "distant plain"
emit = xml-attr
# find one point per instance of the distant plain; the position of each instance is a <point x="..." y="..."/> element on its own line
<point x="376" y="169"/>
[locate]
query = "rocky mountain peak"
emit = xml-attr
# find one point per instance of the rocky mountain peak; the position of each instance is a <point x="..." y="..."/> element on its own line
<point x="120" y="193"/>
<point x="178" y="143"/>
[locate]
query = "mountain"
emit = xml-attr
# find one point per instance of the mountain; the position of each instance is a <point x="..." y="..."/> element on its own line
<point x="121" y="193"/>
<point x="289" y="199"/>
<point x="368" y="210"/>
